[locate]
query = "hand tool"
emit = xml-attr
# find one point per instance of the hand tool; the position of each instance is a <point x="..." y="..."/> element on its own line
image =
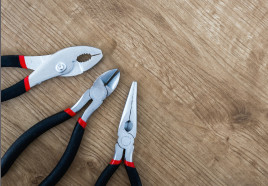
<point x="62" y="63"/>
<point x="125" y="143"/>
<point x="102" y="88"/>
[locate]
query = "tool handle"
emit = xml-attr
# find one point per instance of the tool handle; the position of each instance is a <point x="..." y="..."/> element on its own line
<point x="66" y="159"/>
<point x="20" y="87"/>
<point x="13" y="61"/>
<point x="30" y="135"/>
<point x="15" y="90"/>
<point x="106" y="174"/>
<point x="133" y="175"/>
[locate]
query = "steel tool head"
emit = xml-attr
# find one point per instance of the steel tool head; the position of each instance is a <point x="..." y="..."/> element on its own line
<point x="61" y="63"/>
<point x="110" y="80"/>
<point x="128" y="127"/>
<point x="104" y="85"/>
<point x="66" y="55"/>
<point x="128" y="122"/>
<point x="72" y="53"/>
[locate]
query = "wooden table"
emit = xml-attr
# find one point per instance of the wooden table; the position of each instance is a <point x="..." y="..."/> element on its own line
<point x="202" y="73"/>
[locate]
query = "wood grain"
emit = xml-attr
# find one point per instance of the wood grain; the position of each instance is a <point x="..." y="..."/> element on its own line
<point x="201" y="68"/>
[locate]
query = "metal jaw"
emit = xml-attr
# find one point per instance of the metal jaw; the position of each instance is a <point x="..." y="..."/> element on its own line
<point x="128" y="127"/>
<point x="104" y="85"/>
<point x="62" y="63"/>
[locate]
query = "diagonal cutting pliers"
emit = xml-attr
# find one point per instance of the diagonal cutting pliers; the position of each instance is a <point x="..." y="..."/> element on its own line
<point x="62" y="63"/>
<point x="102" y="88"/>
<point x="125" y="143"/>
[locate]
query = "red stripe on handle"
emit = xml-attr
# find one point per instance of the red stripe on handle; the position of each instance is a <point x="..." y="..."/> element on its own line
<point x="115" y="162"/>
<point x="22" y="62"/>
<point x="70" y="112"/>
<point x="129" y="164"/>
<point x="27" y="84"/>
<point x="82" y="123"/>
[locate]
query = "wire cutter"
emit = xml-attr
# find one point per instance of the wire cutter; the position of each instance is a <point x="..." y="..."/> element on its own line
<point x="62" y="63"/>
<point x="102" y="88"/>
<point x="125" y="143"/>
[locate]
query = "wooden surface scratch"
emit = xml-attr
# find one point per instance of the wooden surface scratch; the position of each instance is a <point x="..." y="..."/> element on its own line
<point x="202" y="73"/>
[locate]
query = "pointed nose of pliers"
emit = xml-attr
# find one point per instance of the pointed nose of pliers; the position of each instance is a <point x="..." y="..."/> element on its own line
<point x="128" y="122"/>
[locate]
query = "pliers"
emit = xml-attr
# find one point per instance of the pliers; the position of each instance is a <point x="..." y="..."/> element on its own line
<point x="125" y="143"/>
<point x="62" y="63"/>
<point x="102" y="88"/>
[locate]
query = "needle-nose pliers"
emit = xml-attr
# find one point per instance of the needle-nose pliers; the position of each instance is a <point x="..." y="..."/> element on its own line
<point x="125" y="143"/>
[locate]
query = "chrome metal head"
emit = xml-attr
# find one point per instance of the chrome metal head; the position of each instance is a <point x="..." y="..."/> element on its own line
<point x="61" y="63"/>
<point x="99" y="91"/>
<point x="110" y="79"/>
<point x="128" y="127"/>
<point x="72" y="53"/>
<point x="104" y="85"/>
<point x="128" y="122"/>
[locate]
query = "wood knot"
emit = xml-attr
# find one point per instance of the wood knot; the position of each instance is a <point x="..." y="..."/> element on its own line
<point x="91" y="164"/>
<point x="241" y="115"/>
<point x="37" y="179"/>
<point x="241" y="118"/>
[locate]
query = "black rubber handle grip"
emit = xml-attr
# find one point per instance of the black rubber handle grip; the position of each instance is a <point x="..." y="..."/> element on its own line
<point x="106" y="175"/>
<point x="10" y="61"/>
<point x="13" y="91"/>
<point x="67" y="158"/>
<point x="27" y="137"/>
<point x="133" y="176"/>
<point x="19" y="88"/>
